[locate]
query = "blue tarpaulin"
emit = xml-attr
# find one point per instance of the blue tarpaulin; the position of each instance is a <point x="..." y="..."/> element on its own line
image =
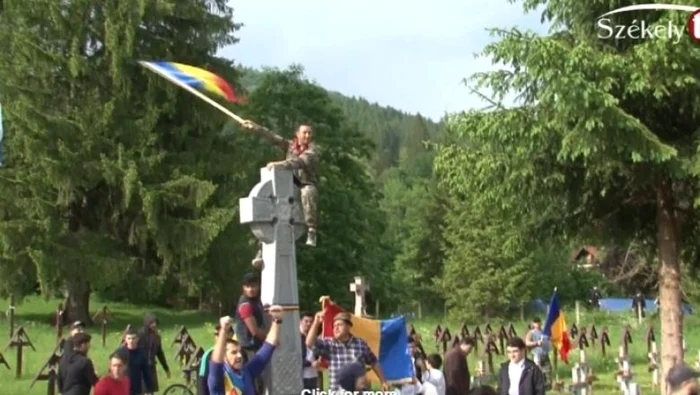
<point x="615" y="305"/>
<point x="621" y="304"/>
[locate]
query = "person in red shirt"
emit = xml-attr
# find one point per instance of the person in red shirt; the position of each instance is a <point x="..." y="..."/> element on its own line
<point x="116" y="382"/>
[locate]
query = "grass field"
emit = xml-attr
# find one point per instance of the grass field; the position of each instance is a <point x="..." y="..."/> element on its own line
<point x="36" y="316"/>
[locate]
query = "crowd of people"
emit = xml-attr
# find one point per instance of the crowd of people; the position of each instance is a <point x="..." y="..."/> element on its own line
<point x="245" y="343"/>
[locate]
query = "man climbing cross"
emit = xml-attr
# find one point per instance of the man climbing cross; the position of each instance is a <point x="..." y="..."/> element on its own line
<point x="302" y="158"/>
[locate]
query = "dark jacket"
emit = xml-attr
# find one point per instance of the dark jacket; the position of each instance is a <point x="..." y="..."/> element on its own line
<point x="456" y="371"/>
<point x="67" y="347"/>
<point x="76" y="374"/>
<point x="139" y="371"/>
<point x="531" y="381"/>
<point x="150" y="343"/>
<point x="245" y="338"/>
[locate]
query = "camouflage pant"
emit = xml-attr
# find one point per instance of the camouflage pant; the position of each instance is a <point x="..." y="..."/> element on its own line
<point x="309" y="199"/>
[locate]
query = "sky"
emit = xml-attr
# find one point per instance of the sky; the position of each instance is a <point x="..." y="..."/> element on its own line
<point x="406" y="54"/>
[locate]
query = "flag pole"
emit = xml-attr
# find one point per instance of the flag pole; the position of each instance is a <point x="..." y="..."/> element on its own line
<point x="193" y="91"/>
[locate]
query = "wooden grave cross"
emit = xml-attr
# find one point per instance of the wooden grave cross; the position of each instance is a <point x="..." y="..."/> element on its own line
<point x="593" y="335"/>
<point x="511" y="331"/>
<point x="456" y="341"/>
<point x="187" y="349"/>
<point x="51" y="376"/>
<point x="445" y="337"/>
<point x="604" y="340"/>
<point x="502" y="337"/>
<point x="626" y="339"/>
<point x="359" y="287"/>
<point x="573" y="332"/>
<point x="464" y="330"/>
<point x="19" y="340"/>
<point x="437" y="332"/>
<point x="103" y="315"/>
<point x="192" y="367"/>
<point x="651" y="338"/>
<point x="491" y="348"/>
<point x="582" y="340"/>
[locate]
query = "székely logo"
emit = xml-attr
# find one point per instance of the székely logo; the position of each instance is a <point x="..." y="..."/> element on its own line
<point x="643" y="30"/>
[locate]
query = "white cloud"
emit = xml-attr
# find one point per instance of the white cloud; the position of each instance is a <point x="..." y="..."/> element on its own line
<point x="408" y="54"/>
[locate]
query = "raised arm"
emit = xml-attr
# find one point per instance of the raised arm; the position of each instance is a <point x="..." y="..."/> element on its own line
<point x="257" y="364"/>
<point x="271" y="136"/>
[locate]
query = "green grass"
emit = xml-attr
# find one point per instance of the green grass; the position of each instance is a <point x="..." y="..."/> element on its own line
<point x="36" y="316"/>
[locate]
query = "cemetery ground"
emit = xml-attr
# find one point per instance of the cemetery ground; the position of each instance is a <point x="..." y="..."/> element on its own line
<point x="37" y="316"/>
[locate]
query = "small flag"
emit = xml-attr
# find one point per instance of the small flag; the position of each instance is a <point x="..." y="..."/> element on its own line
<point x="555" y="328"/>
<point x="388" y="340"/>
<point x="193" y="77"/>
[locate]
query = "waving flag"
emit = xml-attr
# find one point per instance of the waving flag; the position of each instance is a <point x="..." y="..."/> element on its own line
<point x="388" y="339"/>
<point x="193" y="77"/>
<point x="0" y="134"/>
<point x="555" y="328"/>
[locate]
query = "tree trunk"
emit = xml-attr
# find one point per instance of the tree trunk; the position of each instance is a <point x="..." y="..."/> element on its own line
<point x="77" y="304"/>
<point x="669" y="281"/>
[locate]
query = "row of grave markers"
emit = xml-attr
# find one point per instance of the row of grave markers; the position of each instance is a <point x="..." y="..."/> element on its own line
<point x="582" y="375"/>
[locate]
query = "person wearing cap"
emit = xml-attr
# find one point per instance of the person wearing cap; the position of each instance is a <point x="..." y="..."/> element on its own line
<point x="76" y="373"/>
<point x="682" y="380"/>
<point x="342" y="349"/>
<point x="68" y="344"/>
<point x="230" y="372"/>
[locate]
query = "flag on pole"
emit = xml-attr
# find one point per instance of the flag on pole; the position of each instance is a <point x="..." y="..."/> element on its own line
<point x="388" y="340"/>
<point x="555" y="328"/>
<point x="194" y="77"/>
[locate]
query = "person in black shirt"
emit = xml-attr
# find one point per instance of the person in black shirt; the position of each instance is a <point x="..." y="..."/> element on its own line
<point x="638" y="303"/>
<point x="594" y="298"/>
<point x="76" y="373"/>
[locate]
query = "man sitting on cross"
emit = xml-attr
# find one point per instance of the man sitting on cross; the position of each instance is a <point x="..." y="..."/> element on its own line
<point x="302" y="158"/>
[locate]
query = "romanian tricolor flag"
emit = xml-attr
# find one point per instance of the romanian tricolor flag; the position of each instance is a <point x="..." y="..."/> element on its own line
<point x="555" y="328"/>
<point x="193" y="77"/>
<point x="388" y="339"/>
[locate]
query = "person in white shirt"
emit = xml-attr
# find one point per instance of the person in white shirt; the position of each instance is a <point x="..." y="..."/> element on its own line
<point x="416" y="387"/>
<point x="519" y="376"/>
<point x="310" y="360"/>
<point x="432" y="375"/>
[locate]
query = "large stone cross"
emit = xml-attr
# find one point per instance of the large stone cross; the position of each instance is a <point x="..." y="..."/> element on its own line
<point x="359" y="287"/>
<point x="274" y="214"/>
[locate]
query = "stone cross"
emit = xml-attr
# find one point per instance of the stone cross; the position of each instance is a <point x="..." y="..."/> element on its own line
<point x="274" y="214"/>
<point x="359" y="287"/>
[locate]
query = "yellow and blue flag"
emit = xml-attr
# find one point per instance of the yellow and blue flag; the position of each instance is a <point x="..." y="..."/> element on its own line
<point x="388" y="340"/>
